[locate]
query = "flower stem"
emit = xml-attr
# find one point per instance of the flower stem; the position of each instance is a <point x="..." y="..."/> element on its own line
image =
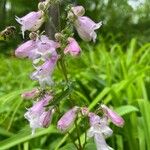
<point x="64" y="70"/>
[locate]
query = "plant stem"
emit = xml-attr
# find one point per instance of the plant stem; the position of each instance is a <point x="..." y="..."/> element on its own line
<point x="73" y="141"/>
<point x="78" y="135"/>
<point x="64" y="70"/>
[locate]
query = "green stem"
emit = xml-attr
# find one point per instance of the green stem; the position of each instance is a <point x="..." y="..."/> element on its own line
<point x="78" y="135"/>
<point x="73" y="141"/>
<point x="64" y="70"/>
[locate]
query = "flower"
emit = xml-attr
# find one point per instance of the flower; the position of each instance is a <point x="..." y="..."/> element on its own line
<point x="73" y="47"/>
<point x="37" y="116"/>
<point x="46" y="47"/>
<point x="27" y="49"/>
<point x="113" y="116"/>
<point x="30" y="94"/>
<point x="86" y="28"/>
<point x="31" y="21"/>
<point x="43" y="73"/>
<point x="99" y="130"/>
<point x="67" y="120"/>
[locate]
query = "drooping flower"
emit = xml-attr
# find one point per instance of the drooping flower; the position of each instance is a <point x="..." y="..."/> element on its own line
<point x="31" y="21"/>
<point x="99" y="130"/>
<point x="67" y="120"/>
<point x="37" y="115"/>
<point x="86" y="28"/>
<point x="73" y="47"/>
<point x="43" y="73"/>
<point x="27" y="49"/>
<point x="30" y="94"/>
<point x="113" y="116"/>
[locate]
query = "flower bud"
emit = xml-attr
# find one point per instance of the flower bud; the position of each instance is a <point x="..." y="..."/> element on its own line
<point x="67" y="120"/>
<point x="71" y="16"/>
<point x="78" y="10"/>
<point x="33" y="36"/>
<point x="73" y="47"/>
<point x="113" y="116"/>
<point x="84" y="111"/>
<point x="41" y="6"/>
<point x="30" y="94"/>
<point x="58" y="36"/>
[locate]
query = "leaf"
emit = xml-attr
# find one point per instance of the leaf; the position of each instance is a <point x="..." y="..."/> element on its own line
<point x="123" y="110"/>
<point x="90" y="146"/>
<point x="23" y="136"/>
<point x="69" y="146"/>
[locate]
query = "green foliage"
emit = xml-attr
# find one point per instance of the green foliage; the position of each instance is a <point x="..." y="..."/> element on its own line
<point x="104" y="73"/>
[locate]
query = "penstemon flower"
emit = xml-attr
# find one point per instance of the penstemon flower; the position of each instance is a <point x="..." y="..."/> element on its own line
<point x="31" y="21"/>
<point x="73" y="47"/>
<point x="37" y="115"/>
<point x="86" y="28"/>
<point x="67" y="120"/>
<point x="99" y="130"/>
<point x="30" y="94"/>
<point x="84" y="25"/>
<point x="43" y="73"/>
<point x="113" y="116"/>
<point x="27" y="49"/>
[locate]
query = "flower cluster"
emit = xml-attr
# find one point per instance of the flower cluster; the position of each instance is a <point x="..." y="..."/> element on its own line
<point x="99" y="126"/>
<point x="44" y="54"/>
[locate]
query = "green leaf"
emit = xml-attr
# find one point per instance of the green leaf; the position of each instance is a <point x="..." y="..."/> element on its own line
<point x="25" y="135"/>
<point x="123" y="110"/>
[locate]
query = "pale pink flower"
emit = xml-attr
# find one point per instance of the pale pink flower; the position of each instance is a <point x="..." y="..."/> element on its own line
<point x="31" y="21"/>
<point x="99" y="130"/>
<point x="30" y="94"/>
<point x="73" y="47"/>
<point x="113" y="116"/>
<point x="43" y="73"/>
<point x="67" y="120"/>
<point x="37" y="115"/>
<point x="46" y="47"/>
<point x="27" y="49"/>
<point x="86" y="28"/>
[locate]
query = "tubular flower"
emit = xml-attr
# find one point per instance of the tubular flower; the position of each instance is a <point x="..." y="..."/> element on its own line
<point x="37" y="116"/>
<point x="27" y="49"/>
<point x="43" y="73"/>
<point x="46" y="47"/>
<point x="67" y="120"/>
<point x="99" y="130"/>
<point x="86" y="28"/>
<point x="113" y="116"/>
<point x="31" y="21"/>
<point x="30" y="94"/>
<point x="73" y="47"/>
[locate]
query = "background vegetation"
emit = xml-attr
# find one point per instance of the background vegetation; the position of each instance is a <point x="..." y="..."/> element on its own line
<point x="115" y="71"/>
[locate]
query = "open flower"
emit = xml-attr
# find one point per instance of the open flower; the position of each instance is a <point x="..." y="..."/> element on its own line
<point x="113" y="116"/>
<point x="73" y="47"/>
<point x="37" y="115"/>
<point x="86" y="28"/>
<point x="67" y="120"/>
<point x="46" y="47"/>
<point x="31" y="21"/>
<point x="43" y="73"/>
<point x="99" y="130"/>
